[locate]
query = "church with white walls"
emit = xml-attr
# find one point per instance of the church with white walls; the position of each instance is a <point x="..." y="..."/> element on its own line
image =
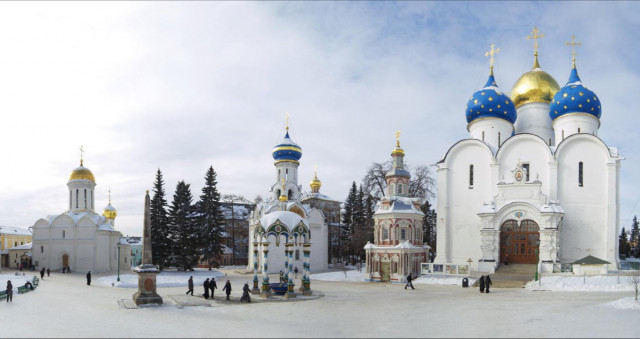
<point x="80" y="239"/>
<point x="533" y="183"/>
<point x="285" y="232"/>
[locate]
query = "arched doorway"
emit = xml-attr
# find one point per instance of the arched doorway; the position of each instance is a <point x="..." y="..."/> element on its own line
<point x="518" y="244"/>
<point x="65" y="260"/>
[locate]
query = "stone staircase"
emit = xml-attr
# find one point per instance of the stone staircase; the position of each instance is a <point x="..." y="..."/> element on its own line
<point x="512" y="275"/>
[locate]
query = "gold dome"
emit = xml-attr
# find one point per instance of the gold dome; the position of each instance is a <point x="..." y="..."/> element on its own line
<point x="315" y="183"/>
<point x="534" y="86"/>
<point x="82" y="173"/>
<point x="110" y="212"/>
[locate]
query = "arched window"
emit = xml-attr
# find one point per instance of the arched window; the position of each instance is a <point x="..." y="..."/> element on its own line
<point x="297" y="254"/>
<point x="77" y="191"/>
<point x="85" y="198"/>
<point x="470" y="176"/>
<point x="385" y="233"/>
<point x="562" y="134"/>
<point x="498" y="138"/>
<point x="403" y="234"/>
<point x="290" y="195"/>
<point x="578" y="129"/>
<point x="580" y="174"/>
<point x="63" y="234"/>
<point x="41" y="249"/>
<point x="526" y="167"/>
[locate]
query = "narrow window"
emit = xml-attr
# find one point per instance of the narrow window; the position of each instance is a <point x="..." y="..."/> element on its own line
<point x="578" y="129"/>
<point x="287" y="171"/>
<point x="297" y="254"/>
<point x="290" y="195"/>
<point x="470" y="176"/>
<point x="70" y="194"/>
<point x="580" y="174"/>
<point x="85" y="198"/>
<point x="41" y="249"/>
<point x="403" y="234"/>
<point x="77" y="191"/>
<point x="385" y="234"/>
<point x="562" y="134"/>
<point x="526" y="167"/>
<point x="482" y="135"/>
<point x="63" y="234"/>
<point x="549" y="141"/>
<point x="498" y="138"/>
<point x="15" y="244"/>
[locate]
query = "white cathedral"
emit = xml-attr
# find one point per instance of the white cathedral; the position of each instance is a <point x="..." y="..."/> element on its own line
<point x="80" y="238"/>
<point x="533" y="183"/>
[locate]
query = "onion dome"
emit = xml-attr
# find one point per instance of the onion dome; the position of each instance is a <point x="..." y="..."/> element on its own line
<point x="110" y="212"/>
<point x="315" y="184"/>
<point x="574" y="98"/>
<point x="287" y="150"/>
<point x="82" y="173"/>
<point x="534" y="86"/>
<point x="490" y="102"/>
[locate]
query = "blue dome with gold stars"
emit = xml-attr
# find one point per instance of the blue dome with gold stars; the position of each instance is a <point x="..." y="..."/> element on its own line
<point x="574" y="98"/>
<point x="490" y="102"/>
<point x="287" y="150"/>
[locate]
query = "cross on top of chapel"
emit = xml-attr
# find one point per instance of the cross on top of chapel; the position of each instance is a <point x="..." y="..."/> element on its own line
<point x="398" y="138"/>
<point x="573" y="45"/>
<point x="491" y="54"/>
<point x="534" y="35"/>
<point x="81" y="154"/>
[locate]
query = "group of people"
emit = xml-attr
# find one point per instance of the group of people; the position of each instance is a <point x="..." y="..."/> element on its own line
<point x="484" y="282"/>
<point x="42" y="271"/>
<point x="210" y="286"/>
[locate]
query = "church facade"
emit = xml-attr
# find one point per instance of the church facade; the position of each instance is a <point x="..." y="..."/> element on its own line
<point x="80" y="238"/>
<point x="533" y="183"/>
<point x="285" y="226"/>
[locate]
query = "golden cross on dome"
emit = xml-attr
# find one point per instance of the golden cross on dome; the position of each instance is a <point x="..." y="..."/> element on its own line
<point x="315" y="169"/>
<point x="398" y="138"/>
<point x="573" y="45"/>
<point x="286" y="120"/>
<point x="109" y="195"/>
<point x="491" y="55"/>
<point x="534" y="35"/>
<point x="81" y="154"/>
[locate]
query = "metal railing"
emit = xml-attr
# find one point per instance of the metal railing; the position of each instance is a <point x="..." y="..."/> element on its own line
<point x="561" y="268"/>
<point x="629" y="266"/>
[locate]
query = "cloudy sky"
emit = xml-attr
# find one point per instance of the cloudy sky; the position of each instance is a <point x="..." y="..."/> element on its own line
<point x="181" y="86"/>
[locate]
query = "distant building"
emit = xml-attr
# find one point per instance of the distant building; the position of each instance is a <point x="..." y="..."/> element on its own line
<point x="80" y="238"/>
<point x="136" y="249"/>
<point x="12" y="237"/>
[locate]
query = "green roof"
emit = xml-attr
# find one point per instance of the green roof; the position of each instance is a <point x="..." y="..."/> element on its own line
<point x="590" y="260"/>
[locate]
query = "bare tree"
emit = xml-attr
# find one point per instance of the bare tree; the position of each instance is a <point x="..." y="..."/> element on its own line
<point x="374" y="181"/>
<point x="421" y="184"/>
<point x="635" y="280"/>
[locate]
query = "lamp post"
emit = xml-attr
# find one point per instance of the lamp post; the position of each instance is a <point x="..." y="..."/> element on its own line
<point x="537" y="257"/>
<point x="118" y="245"/>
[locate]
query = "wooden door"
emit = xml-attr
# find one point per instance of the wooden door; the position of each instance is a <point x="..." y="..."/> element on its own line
<point x="65" y="260"/>
<point x="518" y="243"/>
<point x="385" y="271"/>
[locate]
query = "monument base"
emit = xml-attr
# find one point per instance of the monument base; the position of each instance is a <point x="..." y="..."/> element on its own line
<point x="146" y="286"/>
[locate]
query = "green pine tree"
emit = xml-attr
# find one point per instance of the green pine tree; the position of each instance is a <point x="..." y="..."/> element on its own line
<point x="160" y="239"/>
<point x="346" y="231"/>
<point x="429" y="226"/>
<point x="184" y="228"/>
<point x="210" y="218"/>
<point x="634" y="239"/>
<point x="623" y="244"/>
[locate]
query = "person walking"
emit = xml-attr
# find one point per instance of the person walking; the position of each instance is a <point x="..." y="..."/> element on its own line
<point x="409" y="279"/>
<point x="227" y="289"/>
<point x="42" y="273"/>
<point x="481" y="284"/>
<point x="245" y="293"/>
<point x="64" y="268"/>
<point x="206" y="288"/>
<point x="190" y="285"/>
<point x="487" y="283"/>
<point x="48" y="272"/>
<point x="212" y="286"/>
<point x="89" y="278"/>
<point x="9" y="291"/>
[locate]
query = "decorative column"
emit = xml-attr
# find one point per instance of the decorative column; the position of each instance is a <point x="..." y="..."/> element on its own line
<point x="286" y="262"/>
<point x="289" y="251"/>
<point x="265" y="292"/>
<point x="147" y="293"/>
<point x="306" y="280"/>
<point x="255" y="289"/>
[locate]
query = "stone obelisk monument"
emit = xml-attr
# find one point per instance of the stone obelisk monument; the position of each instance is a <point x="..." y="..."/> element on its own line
<point x="147" y="271"/>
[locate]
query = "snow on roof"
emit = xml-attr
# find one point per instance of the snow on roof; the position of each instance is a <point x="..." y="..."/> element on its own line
<point x="226" y="250"/>
<point x="399" y="205"/>
<point x="290" y="219"/>
<point x="404" y="245"/>
<point x="319" y="196"/>
<point x="14" y="230"/>
<point x="22" y="247"/>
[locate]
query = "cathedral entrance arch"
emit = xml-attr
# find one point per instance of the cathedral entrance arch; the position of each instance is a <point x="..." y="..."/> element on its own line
<point x="519" y="242"/>
<point x="65" y="260"/>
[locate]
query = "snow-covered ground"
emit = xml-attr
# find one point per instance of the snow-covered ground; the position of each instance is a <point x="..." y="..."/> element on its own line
<point x="599" y="283"/>
<point x="16" y="280"/>
<point x="64" y="306"/>
<point x="164" y="279"/>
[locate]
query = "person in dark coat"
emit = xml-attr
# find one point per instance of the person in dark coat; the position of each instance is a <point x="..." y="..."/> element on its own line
<point x="64" y="268"/>
<point x="9" y="291"/>
<point x="487" y="283"/>
<point x="227" y="289"/>
<point x="212" y="286"/>
<point x="88" y="278"/>
<point x="409" y="279"/>
<point x="206" y="288"/>
<point x="245" y="293"/>
<point x="481" y="283"/>
<point x="48" y="272"/>
<point x="42" y="273"/>
<point x="190" y="284"/>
